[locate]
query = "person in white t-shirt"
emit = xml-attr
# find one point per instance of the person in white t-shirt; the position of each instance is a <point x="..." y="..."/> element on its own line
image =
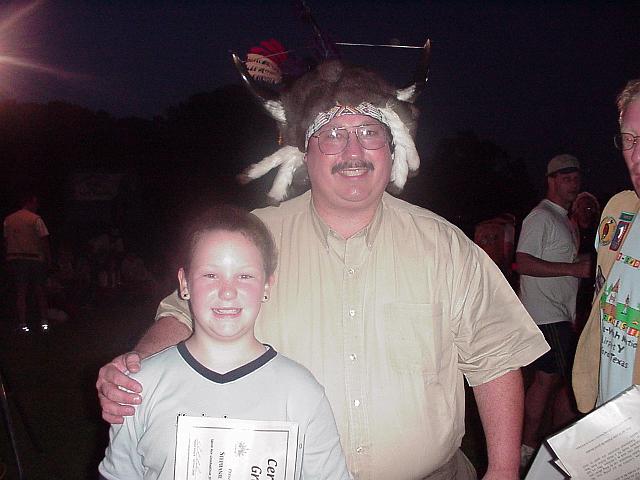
<point x="550" y="270"/>
<point x="222" y="370"/>
<point x="28" y="255"/>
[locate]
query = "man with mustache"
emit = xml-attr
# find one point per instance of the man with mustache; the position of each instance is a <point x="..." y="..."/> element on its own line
<point x="389" y="305"/>
<point x="550" y="269"/>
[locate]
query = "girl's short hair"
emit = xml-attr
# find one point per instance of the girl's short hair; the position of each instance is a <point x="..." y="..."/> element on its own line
<point x="232" y="219"/>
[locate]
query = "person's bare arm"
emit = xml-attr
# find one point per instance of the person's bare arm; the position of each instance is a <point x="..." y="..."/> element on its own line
<point x="117" y="403"/>
<point x="501" y="407"/>
<point x="164" y="332"/>
<point x="536" y="267"/>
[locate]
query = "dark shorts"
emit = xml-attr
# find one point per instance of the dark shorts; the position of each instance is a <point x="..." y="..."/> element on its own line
<point x="562" y="340"/>
<point x="31" y="272"/>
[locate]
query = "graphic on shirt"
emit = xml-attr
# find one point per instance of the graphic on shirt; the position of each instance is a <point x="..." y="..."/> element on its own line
<point x="605" y="230"/>
<point x="628" y="260"/>
<point x="620" y="315"/>
<point x="619" y="312"/>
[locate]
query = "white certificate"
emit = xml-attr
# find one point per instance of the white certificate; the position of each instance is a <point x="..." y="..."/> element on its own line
<point x="228" y="449"/>
<point x="603" y="445"/>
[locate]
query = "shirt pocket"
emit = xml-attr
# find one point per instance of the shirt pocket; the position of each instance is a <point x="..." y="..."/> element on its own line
<point x="412" y="334"/>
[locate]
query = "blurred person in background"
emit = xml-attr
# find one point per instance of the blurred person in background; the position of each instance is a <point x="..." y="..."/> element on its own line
<point x="585" y="214"/>
<point x="28" y="256"/>
<point x="550" y="271"/>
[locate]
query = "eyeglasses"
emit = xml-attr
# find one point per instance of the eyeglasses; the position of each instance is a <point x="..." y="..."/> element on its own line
<point x="625" y="141"/>
<point x="333" y="141"/>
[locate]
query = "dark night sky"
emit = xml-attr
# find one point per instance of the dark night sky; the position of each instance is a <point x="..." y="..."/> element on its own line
<point x="538" y="79"/>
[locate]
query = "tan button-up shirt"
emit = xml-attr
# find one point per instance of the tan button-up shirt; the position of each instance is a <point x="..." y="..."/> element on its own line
<point x="388" y="321"/>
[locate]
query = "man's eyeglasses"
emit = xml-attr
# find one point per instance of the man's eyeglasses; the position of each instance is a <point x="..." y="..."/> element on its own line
<point x="334" y="140"/>
<point x="625" y="141"/>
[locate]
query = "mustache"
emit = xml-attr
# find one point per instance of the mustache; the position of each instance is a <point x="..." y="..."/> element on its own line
<point x="352" y="164"/>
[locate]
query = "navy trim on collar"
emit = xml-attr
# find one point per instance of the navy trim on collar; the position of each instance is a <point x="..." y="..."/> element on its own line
<point x="232" y="375"/>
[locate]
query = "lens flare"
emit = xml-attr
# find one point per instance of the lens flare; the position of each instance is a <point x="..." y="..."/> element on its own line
<point x="14" y="20"/>
<point x="25" y="63"/>
<point x="18" y="14"/>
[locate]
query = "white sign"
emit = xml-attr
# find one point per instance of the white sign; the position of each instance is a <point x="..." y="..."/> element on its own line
<point x="228" y="449"/>
<point x="604" y="445"/>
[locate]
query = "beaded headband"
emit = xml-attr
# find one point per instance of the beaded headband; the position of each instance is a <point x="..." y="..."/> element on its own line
<point x="323" y="118"/>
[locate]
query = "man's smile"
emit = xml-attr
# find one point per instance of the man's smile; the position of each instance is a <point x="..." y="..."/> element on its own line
<point x="226" y="311"/>
<point x="352" y="169"/>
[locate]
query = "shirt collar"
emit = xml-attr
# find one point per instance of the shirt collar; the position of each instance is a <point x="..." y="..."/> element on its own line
<point x="323" y="230"/>
<point x="556" y="207"/>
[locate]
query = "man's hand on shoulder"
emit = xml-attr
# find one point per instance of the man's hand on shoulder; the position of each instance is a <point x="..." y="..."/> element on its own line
<point x="116" y="391"/>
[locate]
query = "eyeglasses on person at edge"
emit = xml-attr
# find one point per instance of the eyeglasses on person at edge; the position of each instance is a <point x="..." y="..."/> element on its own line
<point x="333" y="141"/>
<point x="625" y="141"/>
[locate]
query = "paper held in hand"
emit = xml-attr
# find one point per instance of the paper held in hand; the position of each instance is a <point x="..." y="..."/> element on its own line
<point x="603" y="445"/>
<point x="224" y="448"/>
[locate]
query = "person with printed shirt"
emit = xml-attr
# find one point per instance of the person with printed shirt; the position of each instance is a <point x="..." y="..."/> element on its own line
<point x="387" y="304"/>
<point x="606" y="361"/>
<point x="222" y="370"/>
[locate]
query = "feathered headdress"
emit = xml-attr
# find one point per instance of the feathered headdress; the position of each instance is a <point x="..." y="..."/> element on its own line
<point x="336" y="83"/>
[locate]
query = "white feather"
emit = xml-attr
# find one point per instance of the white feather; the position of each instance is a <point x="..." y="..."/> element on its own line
<point x="400" y="170"/>
<point x="288" y="158"/>
<point x="276" y="110"/>
<point x="406" y="94"/>
<point x="405" y="156"/>
<point x="284" y="177"/>
<point x="274" y="160"/>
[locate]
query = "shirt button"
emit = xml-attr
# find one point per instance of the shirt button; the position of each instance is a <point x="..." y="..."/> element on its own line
<point x="352" y="313"/>
<point x="359" y="450"/>
<point x="351" y="271"/>
<point x="356" y="403"/>
<point x="353" y="357"/>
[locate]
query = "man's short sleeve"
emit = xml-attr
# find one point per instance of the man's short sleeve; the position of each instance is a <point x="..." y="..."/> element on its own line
<point x="494" y="332"/>
<point x="41" y="228"/>
<point x="174" y="306"/>
<point x="532" y="235"/>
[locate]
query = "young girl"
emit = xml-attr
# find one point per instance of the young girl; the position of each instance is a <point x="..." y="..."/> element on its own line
<point x="222" y="370"/>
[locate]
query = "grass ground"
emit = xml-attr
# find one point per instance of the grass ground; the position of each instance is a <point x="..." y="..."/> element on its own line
<point x="50" y="381"/>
